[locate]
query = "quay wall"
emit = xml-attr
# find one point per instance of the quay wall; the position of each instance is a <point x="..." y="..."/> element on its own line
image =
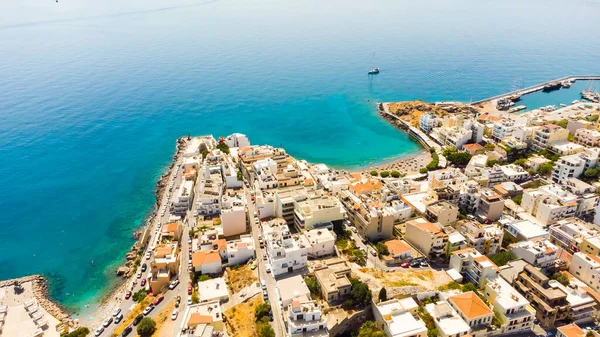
<point x="538" y="87"/>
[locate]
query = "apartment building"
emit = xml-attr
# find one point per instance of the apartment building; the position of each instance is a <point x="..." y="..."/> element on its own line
<point x="565" y="148"/>
<point x="304" y="318"/>
<point x="233" y="216"/>
<point x="511" y="148"/>
<point x="473" y="266"/>
<point x="237" y="140"/>
<point x="586" y="267"/>
<point x="508" y="189"/>
<point x="428" y="121"/>
<point x="333" y="278"/>
<point x="164" y="266"/>
<point x="182" y="201"/>
<point x="472" y="310"/>
<point x="312" y="212"/>
<point x="586" y="137"/>
<point x="570" y="234"/>
<point x="427" y="237"/>
<point x="540" y="253"/>
<point x="486" y="239"/>
<point x="447" y="320"/>
<point x="319" y="242"/>
<point x="399" y="318"/>
<point x="547" y="135"/>
<point x="511" y="308"/>
<point x="445" y="178"/>
<point x="549" y="203"/>
<point x="442" y="212"/>
<point x="591" y="245"/>
<point x="371" y="218"/>
<point x="490" y="206"/>
<point x="549" y="303"/>
<point x="208" y="202"/>
<point x="285" y="252"/>
<point x="583" y="301"/>
<point x="241" y="250"/>
<point x="567" y="167"/>
<point x="503" y="128"/>
<point x="525" y="230"/>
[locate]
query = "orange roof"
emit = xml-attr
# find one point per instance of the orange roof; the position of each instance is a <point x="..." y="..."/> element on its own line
<point x="428" y="226"/>
<point x="473" y="147"/>
<point x="205" y="257"/>
<point x="366" y="187"/>
<point x="163" y="250"/>
<point x="221" y="244"/>
<point x="196" y="319"/>
<point x="564" y="256"/>
<point x="592" y="292"/>
<point x="470" y="305"/>
<point x="308" y="182"/>
<point x="355" y="176"/>
<point x="594" y="257"/>
<point x="171" y="227"/>
<point x="488" y="117"/>
<point x="484" y="258"/>
<point x="397" y="247"/>
<point x="464" y="250"/>
<point x="572" y="203"/>
<point x="571" y="330"/>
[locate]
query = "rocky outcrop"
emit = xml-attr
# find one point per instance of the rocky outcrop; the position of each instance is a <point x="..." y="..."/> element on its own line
<point x="123" y="271"/>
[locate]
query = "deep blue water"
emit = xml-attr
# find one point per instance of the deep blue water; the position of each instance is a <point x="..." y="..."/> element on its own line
<point x="93" y="96"/>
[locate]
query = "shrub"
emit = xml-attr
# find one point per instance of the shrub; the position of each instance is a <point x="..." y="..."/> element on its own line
<point x="370" y="329"/>
<point x="374" y="173"/>
<point x="223" y="147"/>
<point x="261" y="311"/>
<point x="360" y="293"/>
<point x="384" y="174"/>
<point x="265" y="330"/>
<point x="545" y="169"/>
<point x="195" y="297"/>
<point x="423" y="170"/>
<point x="517" y="199"/>
<point x="562" y="278"/>
<point x="382" y="249"/>
<point x="502" y="257"/>
<point x="395" y="174"/>
<point x="382" y="295"/>
<point x="79" y="332"/>
<point x="203" y="278"/>
<point x="490" y="146"/>
<point x="435" y="161"/>
<point x="139" y="295"/>
<point x="146" y="327"/>
<point x="313" y="286"/>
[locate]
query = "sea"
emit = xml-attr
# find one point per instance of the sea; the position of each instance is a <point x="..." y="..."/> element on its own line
<point x="94" y="94"/>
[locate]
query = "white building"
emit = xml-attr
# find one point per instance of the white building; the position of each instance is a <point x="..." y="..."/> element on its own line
<point x="549" y="203"/>
<point x="285" y="252"/>
<point x="540" y="253"/>
<point x="426" y="236"/>
<point x="237" y="140"/>
<point x="587" y="137"/>
<point x="313" y="212"/>
<point x="472" y="310"/>
<point x="525" y="230"/>
<point x="233" y="217"/>
<point x="319" y="242"/>
<point x="447" y="320"/>
<point x="504" y="128"/>
<point x="399" y="321"/>
<point x="512" y="309"/>
<point x="428" y="121"/>
<point x="183" y="197"/>
<point x="213" y="290"/>
<point x="472" y="265"/>
<point x="240" y="251"/>
<point x="570" y="233"/>
<point x="486" y="239"/>
<point x="586" y="267"/>
<point x="304" y="318"/>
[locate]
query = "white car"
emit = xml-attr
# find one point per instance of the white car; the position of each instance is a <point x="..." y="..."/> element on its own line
<point x="174" y="314"/>
<point x="139" y="274"/>
<point x="189" y="301"/>
<point x="116" y="312"/>
<point x="173" y="284"/>
<point x="268" y="268"/>
<point x="99" y="331"/>
<point x="148" y="256"/>
<point x="107" y="322"/>
<point x="263" y="284"/>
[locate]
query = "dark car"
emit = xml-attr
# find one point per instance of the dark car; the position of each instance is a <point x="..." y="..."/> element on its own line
<point x="137" y="319"/>
<point x="127" y="331"/>
<point x="144" y="266"/>
<point x="127" y="295"/>
<point x="415" y="263"/>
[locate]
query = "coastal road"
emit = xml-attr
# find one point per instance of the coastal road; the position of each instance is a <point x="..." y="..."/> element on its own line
<point x="277" y="324"/>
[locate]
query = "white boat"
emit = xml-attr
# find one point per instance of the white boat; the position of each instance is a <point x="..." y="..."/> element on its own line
<point x="575" y="102"/>
<point x="374" y="71"/>
<point x="562" y="105"/>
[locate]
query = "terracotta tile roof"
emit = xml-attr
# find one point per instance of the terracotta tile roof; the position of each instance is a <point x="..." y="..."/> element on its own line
<point x="571" y="330"/>
<point x="366" y="187"/>
<point x="428" y="226"/>
<point x="484" y="258"/>
<point x="397" y="247"/>
<point x="488" y="117"/>
<point x="221" y="244"/>
<point x="171" y="227"/>
<point x="196" y="319"/>
<point x="470" y="305"/>
<point x="308" y="182"/>
<point x="205" y="257"/>
<point x="473" y="147"/>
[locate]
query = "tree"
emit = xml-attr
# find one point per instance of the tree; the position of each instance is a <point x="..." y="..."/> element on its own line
<point x="79" y="332"/>
<point x="591" y="173"/>
<point x="395" y="174"/>
<point x="507" y="240"/>
<point x="374" y="173"/>
<point x="195" y="297"/>
<point x="517" y="199"/>
<point x="593" y="118"/>
<point x="562" y="278"/>
<point x="203" y="278"/>
<point x="223" y="147"/>
<point x="261" y="311"/>
<point x="384" y="174"/>
<point x="360" y="293"/>
<point x="490" y="146"/>
<point x="146" y="327"/>
<point x="370" y="329"/>
<point x="313" y="285"/>
<point x="433" y="164"/>
<point x="562" y="123"/>
<point x="139" y="295"/>
<point x="382" y="249"/>
<point x="544" y="169"/>
<point x="502" y="257"/>
<point x="521" y="162"/>
<point x="590" y="333"/>
<point x="468" y="287"/>
<point x="382" y="295"/>
<point x="265" y="330"/>
<point x="423" y="170"/>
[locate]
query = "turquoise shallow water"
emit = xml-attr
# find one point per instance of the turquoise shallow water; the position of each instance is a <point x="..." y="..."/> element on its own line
<point x="94" y="94"/>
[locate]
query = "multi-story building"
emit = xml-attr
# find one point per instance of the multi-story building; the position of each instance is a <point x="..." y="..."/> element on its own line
<point x="511" y="148"/>
<point x="582" y="300"/>
<point x="540" y="253"/>
<point x="585" y="137"/>
<point x="486" y="239"/>
<point x="586" y="267"/>
<point x="565" y="148"/>
<point x="490" y="206"/>
<point x="184" y="195"/>
<point x="472" y="310"/>
<point x="493" y="175"/>
<point x="591" y="245"/>
<point x="319" y="242"/>
<point x="428" y="121"/>
<point x="524" y="229"/>
<point x="549" y="203"/>
<point x="164" y="266"/>
<point x="511" y="308"/>
<point x="441" y="211"/>
<point x="567" y="167"/>
<point x="333" y="278"/>
<point x="549" y="303"/>
<point x="447" y="320"/>
<point x="473" y="266"/>
<point x="445" y="178"/>
<point x="233" y="217"/>
<point x="372" y="219"/>
<point x="427" y="237"/>
<point x="503" y="128"/>
<point x="240" y="251"/>
<point x="237" y="140"/>
<point x="285" y="253"/>
<point x="312" y="212"/>
<point x="571" y="330"/>
<point x="208" y="201"/>
<point x="399" y="318"/>
<point x="547" y="135"/>
<point x="570" y="233"/>
<point x="304" y="318"/>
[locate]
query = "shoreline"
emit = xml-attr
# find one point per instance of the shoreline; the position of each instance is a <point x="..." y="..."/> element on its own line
<point x="409" y="164"/>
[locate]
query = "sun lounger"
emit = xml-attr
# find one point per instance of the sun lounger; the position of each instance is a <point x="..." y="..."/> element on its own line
<point x="3" y="309"/>
<point x="41" y="322"/>
<point x="37" y="316"/>
<point x="38" y="333"/>
<point x="29" y="303"/>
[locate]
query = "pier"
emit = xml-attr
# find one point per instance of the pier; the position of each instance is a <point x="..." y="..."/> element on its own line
<point x="537" y="87"/>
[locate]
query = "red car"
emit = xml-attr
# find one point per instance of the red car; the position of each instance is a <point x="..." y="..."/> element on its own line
<point x="404" y="265"/>
<point x="127" y="295"/>
<point x="159" y="299"/>
<point x="190" y="290"/>
<point x="143" y="283"/>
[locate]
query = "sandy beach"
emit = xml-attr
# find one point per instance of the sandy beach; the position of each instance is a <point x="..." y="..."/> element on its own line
<point x="407" y="165"/>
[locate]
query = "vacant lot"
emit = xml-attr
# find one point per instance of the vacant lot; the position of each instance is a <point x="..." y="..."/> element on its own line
<point x="410" y="280"/>
<point x="241" y="319"/>
<point x="239" y="278"/>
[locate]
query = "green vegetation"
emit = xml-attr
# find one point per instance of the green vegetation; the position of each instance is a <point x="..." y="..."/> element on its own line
<point x="384" y="174"/>
<point x="508" y="239"/>
<point x="139" y="295"/>
<point x="370" y="329"/>
<point x="491" y="163"/>
<point x="203" y="278"/>
<point x="570" y="137"/>
<point x="382" y="249"/>
<point x="452" y="285"/>
<point x="146" y="327"/>
<point x="313" y="286"/>
<point x="433" y="164"/>
<point x="458" y="158"/>
<point x="562" y="123"/>
<point x="517" y="199"/>
<point x="593" y="118"/>
<point x="423" y="170"/>
<point x="432" y="330"/>
<point x="562" y="278"/>
<point x="545" y="169"/>
<point x="347" y="246"/>
<point x="265" y="330"/>
<point x="195" y="297"/>
<point x="360" y="295"/>
<point x="521" y="162"/>
<point x="239" y="175"/>
<point x="490" y="146"/>
<point x="549" y="155"/>
<point x="468" y="287"/>
<point x="261" y="310"/>
<point x="223" y="147"/>
<point x="502" y="257"/>
<point x="591" y="174"/>
<point x="496" y="321"/>
<point x="395" y="174"/>
<point x="79" y="332"/>
<point x="204" y="152"/>
<point x="382" y="295"/>
<point x="374" y="173"/>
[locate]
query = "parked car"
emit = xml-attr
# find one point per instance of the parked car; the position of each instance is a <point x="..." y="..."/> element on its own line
<point x="128" y="295"/>
<point x="264" y="257"/>
<point x="143" y="283"/>
<point x="173" y="284"/>
<point x="119" y="318"/>
<point x="174" y="314"/>
<point x="159" y="299"/>
<point x="189" y="300"/>
<point x="190" y="290"/>
<point x="265" y="295"/>
<point x="415" y="263"/>
<point x="99" y="331"/>
<point x="373" y="252"/>
<point x="139" y="274"/>
<point x="148" y="309"/>
<point x="116" y="312"/>
<point x="423" y="263"/>
<point x="127" y="331"/>
<point x="268" y="268"/>
<point x="107" y="322"/>
<point x="137" y="319"/>
<point x="263" y="284"/>
<point x="404" y="265"/>
<point x="148" y="256"/>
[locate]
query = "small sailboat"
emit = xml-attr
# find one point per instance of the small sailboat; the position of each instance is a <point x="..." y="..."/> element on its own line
<point x="375" y="70"/>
